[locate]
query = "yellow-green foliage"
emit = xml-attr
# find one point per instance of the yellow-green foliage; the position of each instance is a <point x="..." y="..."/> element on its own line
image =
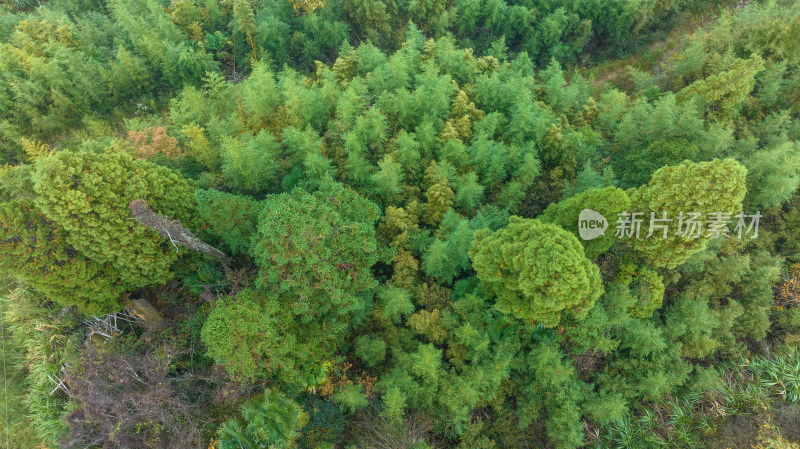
<point x="608" y="201"/>
<point x="200" y="147"/>
<point x="537" y="271"/>
<point x="87" y="195"/>
<point x="723" y="92"/>
<point x="691" y="187"/>
<point x="646" y="287"/>
<point x="240" y="334"/>
<point x="35" y="250"/>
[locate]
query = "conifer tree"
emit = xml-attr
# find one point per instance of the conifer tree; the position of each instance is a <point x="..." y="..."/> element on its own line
<point x="609" y="202"/>
<point x="703" y="188"/>
<point x="387" y="180"/>
<point x="199" y="146"/>
<point x="556" y="387"/>
<point x="469" y="192"/>
<point x="370" y="349"/>
<point x="588" y="178"/>
<point x="87" y="195"/>
<point x="246" y="336"/>
<point x="245" y="22"/>
<point x="439" y="194"/>
<point x="723" y="92"/>
<point x="447" y="258"/>
<point x="536" y="270"/>
<point x="233" y="219"/>
<point x="773" y="175"/>
<point x="251" y="164"/>
<point x="315" y="252"/>
<point x="638" y="165"/>
<point x="645" y="286"/>
<point x="393" y="303"/>
<point x="35" y="250"/>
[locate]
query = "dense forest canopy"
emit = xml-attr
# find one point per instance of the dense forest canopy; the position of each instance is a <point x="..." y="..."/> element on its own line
<point x="355" y="224"/>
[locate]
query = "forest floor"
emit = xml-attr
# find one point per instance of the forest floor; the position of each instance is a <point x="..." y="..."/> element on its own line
<point x="740" y="431"/>
<point x="657" y="49"/>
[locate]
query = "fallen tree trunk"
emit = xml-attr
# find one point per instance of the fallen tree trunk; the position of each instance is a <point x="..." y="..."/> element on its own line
<point x="172" y="230"/>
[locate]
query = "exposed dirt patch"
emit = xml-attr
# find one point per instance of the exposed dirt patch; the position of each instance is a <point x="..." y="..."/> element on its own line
<point x="787" y="418"/>
<point x="741" y="431"/>
<point x="736" y="432"/>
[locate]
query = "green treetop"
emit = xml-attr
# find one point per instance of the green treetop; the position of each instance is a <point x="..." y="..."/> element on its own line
<point x="34" y="249"/>
<point x="536" y="270"/>
<point x="246" y="336"/>
<point x="269" y="421"/>
<point x="691" y="187"/>
<point x="230" y="218"/>
<point x="316" y="250"/>
<point x="608" y="201"/>
<point x="87" y="195"/>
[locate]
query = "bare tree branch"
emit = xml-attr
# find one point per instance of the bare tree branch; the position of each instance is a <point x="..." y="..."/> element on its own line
<point x="172" y="230"/>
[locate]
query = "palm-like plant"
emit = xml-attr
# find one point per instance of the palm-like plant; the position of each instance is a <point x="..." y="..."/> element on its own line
<point x="269" y="421"/>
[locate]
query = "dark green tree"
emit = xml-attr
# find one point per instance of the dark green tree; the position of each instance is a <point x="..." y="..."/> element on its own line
<point x="315" y="252"/>
<point x="269" y="421"/>
<point x="233" y="219"/>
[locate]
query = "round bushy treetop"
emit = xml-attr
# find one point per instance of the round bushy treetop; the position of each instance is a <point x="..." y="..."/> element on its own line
<point x="690" y="187"/>
<point x="536" y="270"/>
<point x="608" y="201"/>
<point x="244" y="335"/>
<point x="316" y="250"/>
<point x="255" y="335"/>
<point x="33" y="249"/>
<point x="87" y="195"/>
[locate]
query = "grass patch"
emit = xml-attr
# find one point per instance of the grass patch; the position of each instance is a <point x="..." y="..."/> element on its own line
<point x="38" y="340"/>
<point x="754" y="399"/>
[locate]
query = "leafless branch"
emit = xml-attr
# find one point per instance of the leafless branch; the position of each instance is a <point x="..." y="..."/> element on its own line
<point x="172" y="230"/>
